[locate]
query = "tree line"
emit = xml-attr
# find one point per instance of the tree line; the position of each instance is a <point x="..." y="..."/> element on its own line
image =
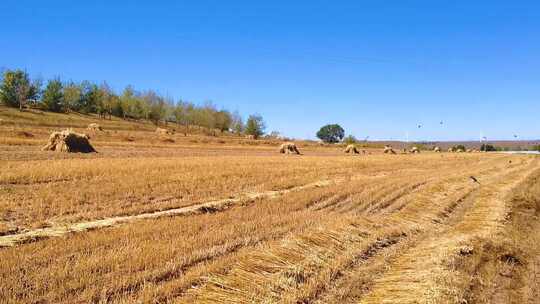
<point x="18" y="90"/>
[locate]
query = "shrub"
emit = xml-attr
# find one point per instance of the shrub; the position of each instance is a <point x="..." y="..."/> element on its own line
<point x="459" y="147"/>
<point x="350" y="140"/>
<point x="488" y="148"/>
<point x="331" y="133"/>
<point x="16" y="88"/>
<point x="420" y="146"/>
<point x="255" y="126"/>
<point x="53" y="96"/>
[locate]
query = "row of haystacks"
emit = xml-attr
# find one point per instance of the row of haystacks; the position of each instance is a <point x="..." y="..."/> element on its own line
<point x="70" y="141"/>
<point x="389" y="150"/>
<point x="436" y="149"/>
<point x="291" y="148"/>
<point x="461" y="150"/>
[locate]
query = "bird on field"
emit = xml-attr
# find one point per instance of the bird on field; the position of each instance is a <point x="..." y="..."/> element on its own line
<point x="474" y="179"/>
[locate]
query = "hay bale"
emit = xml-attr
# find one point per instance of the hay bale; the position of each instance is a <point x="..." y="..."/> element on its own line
<point x="69" y="141"/>
<point x="415" y="150"/>
<point x="162" y="131"/>
<point x="94" y="127"/>
<point x="388" y="149"/>
<point x="437" y="149"/>
<point x="351" y="149"/>
<point x="288" y="148"/>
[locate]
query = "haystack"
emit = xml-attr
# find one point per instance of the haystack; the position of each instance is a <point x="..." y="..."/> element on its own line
<point x="69" y="141"/>
<point x="437" y="149"/>
<point x="388" y="149"/>
<point x="415" y="150"/>
<point x="288" y="148"/>
<point x="162" y="131"/>
<point x="94" y="127"/>
<point x="351" y="149"/>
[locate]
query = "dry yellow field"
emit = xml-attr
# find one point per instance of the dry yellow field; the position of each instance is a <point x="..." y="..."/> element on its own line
<point x="198" y="221"/>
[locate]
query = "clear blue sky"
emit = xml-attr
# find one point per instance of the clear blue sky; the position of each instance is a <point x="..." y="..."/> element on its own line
<point x="378" y="68"/>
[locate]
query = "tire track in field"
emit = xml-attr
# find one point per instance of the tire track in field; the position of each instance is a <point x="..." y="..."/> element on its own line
<point x="421" y="274"/>
<point x="207" y="207"/>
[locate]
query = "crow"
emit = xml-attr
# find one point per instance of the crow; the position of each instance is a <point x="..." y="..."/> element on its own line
<point x="474" y="179"/>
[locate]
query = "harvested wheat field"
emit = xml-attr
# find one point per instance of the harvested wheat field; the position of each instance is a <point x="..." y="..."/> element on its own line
<point x="267" y="152"/>
<point x="196" y="222"/>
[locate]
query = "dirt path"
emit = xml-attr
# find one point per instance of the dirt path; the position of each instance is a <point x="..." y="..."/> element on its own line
<point x="207" y="207"/>
<point x="424" y="273"/>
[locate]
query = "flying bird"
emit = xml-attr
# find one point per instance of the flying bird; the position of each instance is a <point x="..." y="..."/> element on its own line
<point x="474" y="179"/>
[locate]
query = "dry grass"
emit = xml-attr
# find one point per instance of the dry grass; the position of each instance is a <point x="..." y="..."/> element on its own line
<point x="394" y="228"/>
<point x="107" y="187"/>
<point x="504" y="268"/>
<point x="148" y="261"/>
